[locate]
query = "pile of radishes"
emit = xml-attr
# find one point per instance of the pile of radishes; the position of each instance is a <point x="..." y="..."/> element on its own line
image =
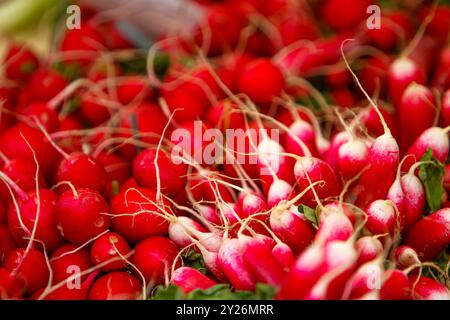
<point x="348" y="201"/>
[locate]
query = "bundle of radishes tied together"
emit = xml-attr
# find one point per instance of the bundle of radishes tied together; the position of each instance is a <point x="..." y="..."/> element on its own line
<point x="282" y="150"/>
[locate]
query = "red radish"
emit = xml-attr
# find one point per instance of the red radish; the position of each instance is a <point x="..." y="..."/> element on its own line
<point x="438" y="26"/>
<point x="335" y="226"/>
<point x="402" y="72"/>
<point x="29" y="266"/>
<point x="68" y="260"/>
<point x="344" y="15"/>
<point x="14" y="146"/>
<point x="381" y="217"/>
<point x="232" y="263"/>
<point x="7" y="243"/>
<point x="11" y="287"/>
<point x="43" y="113"/>
<point x="426" y="288"/>
<point x="68" y="292"/>
<point x="445" y="109"/>
<point x="308" y="170"/>
<point x="395" y="286"/>
<point x="92" y="110"/>
<point x="414" y="198"/>
<point x="374" y="75"/>
<point x="81" y="215"/>
<point x="183" y="229"/>
<point x="417" y="113"/>
<point x="435" y="138"/>
<point x="338" y="207"/>
<point x="257" y="255"/>
<point x="337" y="141"/>
<point x="107" y="247"/>
<point x="45" y="85"/>
<point x="430" y="235"/>
<point x="365" y="279"/>
<point x="284" y="255"/>
<point x="339" y="262"/>
<point x="383" y="159"/>
<point x="172" y="175"/>
<point x="279" y="190"/>
<point x="20" y="63"/>
<point x="447" y="178"/>
<point x="131" y="89"/>
<point x="304" y="131"/>
<point x="368" y="248"/>
<point x="115" y="166"/>
<point x="225" y="115"/>
<point x="46" y="230"/>
<point x="292" y="228"/>
<point x="82" y="45"/>
<point x="252" y="203"/>
<point x="307" y="269"/>
<point x="116" y="286"/>
<point x="154" y="258"/>
<point x="134" y="215"/>
<point x="406" y="257"/>
<point x="22" y="172"/>
<point x="261" y="80"/>
<point x="74" y="168"/>
<point x="352" y="158"/>
<point x="190" y="279"/>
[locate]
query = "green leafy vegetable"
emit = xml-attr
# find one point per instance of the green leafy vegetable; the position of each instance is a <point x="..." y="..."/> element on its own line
<point x="309" y="214"/>
<point x="194" y="260"/>
<point x="218" y="292"/>
<point x="432" y="176"/>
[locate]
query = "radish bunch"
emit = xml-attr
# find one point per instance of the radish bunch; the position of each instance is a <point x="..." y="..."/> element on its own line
<point x="256" y="151"/>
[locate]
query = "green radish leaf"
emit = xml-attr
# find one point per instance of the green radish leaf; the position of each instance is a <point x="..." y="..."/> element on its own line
<point x="172" y="292"/>
<point x="309" y="213"/>
<point x="194" y="260"/>
<point x="432" y="176"/>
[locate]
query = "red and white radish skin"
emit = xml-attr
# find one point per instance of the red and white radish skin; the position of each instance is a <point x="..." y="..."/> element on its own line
<point x="406" y="257"/>
<point x="190" y="279"/>
<point x="118" y="285"/>
<point x="279" y="190"/>
<point x="352" y="157"/>
<point x="428" y="289"/>
<point x="368" y="248"/>
<point x="381" y="217"/>
<point x="430" y="235"/>
<point x="395" y="286"/>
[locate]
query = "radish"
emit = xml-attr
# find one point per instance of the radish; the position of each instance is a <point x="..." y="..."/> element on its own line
<point x="352" y="158"/>
<point x="402" y="72"/>
<point x="118" y="285"/>
<point x="279" y="190"/>
<point x="367" y="278"/>
<point x="337" y="141"/>
<point x="307" y="269"/>
<point x="92" y="110"/>
<point x="154" y="258"/>
<point x="108" y="246"/>
<point x="11" y="287"/>
<point x="136" y="215"/>
<point x="368" y="248"/>
<point x="42" y="112"/>
<point x="233" y="266"/>
<point x="132" y="88"/>
<point x="417" y="113"/>
<point x="406" y="257"/>
<point x="21" y="222"/>
<point x="20" y="63"/>
<point x="426" y="288"/>
<point x="74" y="165"/>
<point x="7" y="243"/>
<point x="172" y="176"/>
<point x="67" y="260"/>
<point x="22" y="172"/>
<point x="67" y="293"/>
<point x="430" y="235"/>
<point x="14" y="146"/>
<point x="45" y="84"/>
<point x="225" y="115"/>
<point x="29" y="266"/>
<point x="308" y="170"/>
<point x="257" y="255"/>
<point x="339" y="262"/>
<point x="370" y="119"/>
<point x="335" y="226"/>
<point x="292" y="228"/>
<point x="80" y="215"/>
<point x="435" y="138"/>
<point x="381" y="217"/>
<point x="334" y="15"/>
<point x="190" y="279"/>
<point x="395" y="286"/>
<point x="445" y="109"/>
<point x="284" y="255"/>
<point x="304" y="131"/>
<point x="250" y="81"/>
